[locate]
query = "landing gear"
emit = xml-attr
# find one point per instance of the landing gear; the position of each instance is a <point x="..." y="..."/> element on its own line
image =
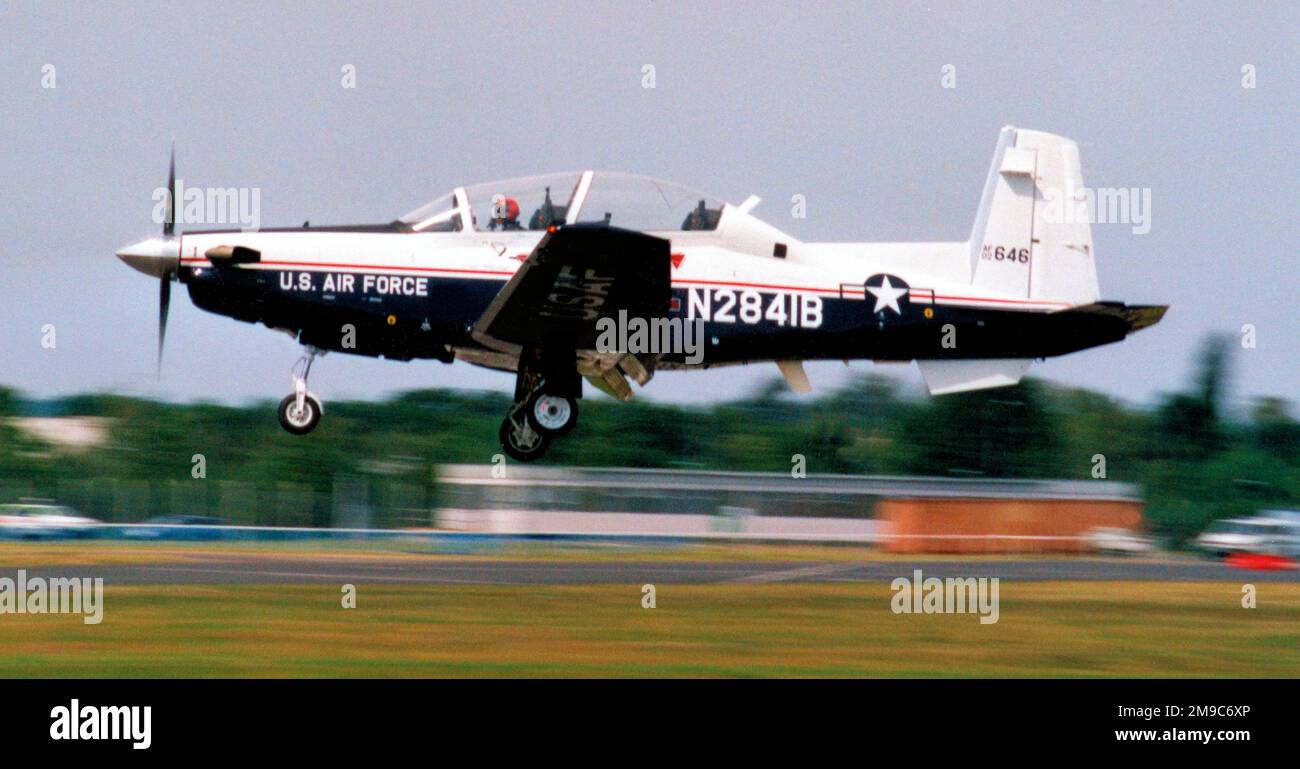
<point x="299" y="419"/>
<point x="520" y="441"/>
<point x="545" y="406"/>
<point x="552" y="415"/>
<point x="300" y="411"/>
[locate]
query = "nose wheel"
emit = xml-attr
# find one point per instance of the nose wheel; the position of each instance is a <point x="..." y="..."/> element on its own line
<point x="300" y="411"/>
<point x="299" y="418"/>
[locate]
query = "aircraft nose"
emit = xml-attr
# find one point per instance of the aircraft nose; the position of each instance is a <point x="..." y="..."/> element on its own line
<point x="156" y="256"/>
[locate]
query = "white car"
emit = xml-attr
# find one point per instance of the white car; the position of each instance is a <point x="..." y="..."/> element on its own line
<point x="43" y="521"/>
<point x="1116" y="541"/>
<point x="1250" y="535"/>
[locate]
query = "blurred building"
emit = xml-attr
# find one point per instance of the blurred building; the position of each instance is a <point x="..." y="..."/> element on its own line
<point x="903" y="514"/>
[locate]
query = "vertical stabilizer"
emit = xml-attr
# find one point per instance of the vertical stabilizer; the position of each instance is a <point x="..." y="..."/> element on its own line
<point x="1032" y="237"/>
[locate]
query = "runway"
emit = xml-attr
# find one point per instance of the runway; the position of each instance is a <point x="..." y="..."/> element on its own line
<point x="219" y="569"/>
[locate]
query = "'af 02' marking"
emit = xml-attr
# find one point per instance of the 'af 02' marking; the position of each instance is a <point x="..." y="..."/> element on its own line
<point x="751" y="307"/>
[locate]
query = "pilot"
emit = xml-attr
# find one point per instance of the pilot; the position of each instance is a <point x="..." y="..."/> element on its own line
<point x="698" y="219"/>
<point x="505" y="213"/>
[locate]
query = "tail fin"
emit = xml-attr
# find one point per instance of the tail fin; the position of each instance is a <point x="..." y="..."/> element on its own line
<point x="1031" y="238"/>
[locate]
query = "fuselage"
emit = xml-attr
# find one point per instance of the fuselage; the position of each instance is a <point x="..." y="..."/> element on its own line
<point x="408" y="295"/>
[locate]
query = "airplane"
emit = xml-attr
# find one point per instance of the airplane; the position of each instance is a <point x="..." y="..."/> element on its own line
<point x="613" y="277"/>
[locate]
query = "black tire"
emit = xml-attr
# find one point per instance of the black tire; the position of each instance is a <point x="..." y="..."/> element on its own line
<point x="515" y="449"/>
<point x="299" y="424"/>
<point x="547" y="414"/>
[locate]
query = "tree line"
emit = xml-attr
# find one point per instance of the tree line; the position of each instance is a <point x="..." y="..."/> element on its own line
<point x="1193" y="458"/>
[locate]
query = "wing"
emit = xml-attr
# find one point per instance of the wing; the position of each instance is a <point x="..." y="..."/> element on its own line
<point x="577" y="275"/>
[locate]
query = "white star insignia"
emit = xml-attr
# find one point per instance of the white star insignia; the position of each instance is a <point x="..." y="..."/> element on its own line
<point x="886" y="296"/>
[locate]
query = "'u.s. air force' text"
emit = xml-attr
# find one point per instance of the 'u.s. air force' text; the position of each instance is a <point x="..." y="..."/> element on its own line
<point x="347" y="283"/>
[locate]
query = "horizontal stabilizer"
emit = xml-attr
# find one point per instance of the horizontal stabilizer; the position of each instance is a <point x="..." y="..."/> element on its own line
<point x="1135" y="317"/>
<point x="954" y="376"/>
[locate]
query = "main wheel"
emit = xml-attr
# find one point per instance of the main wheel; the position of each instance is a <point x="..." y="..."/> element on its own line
<point x="299" y="422"/>
<point x="522" y="443"/>
<point x="551" y="414"/>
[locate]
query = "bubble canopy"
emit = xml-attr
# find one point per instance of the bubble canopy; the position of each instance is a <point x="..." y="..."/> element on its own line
<point x="536" y="202"/>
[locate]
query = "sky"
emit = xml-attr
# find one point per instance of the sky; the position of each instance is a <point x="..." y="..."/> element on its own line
<point x="842" y="104"/>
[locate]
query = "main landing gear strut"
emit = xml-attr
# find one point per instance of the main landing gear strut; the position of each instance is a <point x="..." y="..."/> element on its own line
<point x="300" y="411"/>
<point x="545" y="407"/>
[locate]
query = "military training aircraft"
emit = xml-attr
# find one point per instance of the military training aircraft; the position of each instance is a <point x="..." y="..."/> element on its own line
<point x="612" y="277"/>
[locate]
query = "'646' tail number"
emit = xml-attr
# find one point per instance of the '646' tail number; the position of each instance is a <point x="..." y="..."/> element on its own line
<point x="1011" y="254"/>
<point x="726" y="305"/>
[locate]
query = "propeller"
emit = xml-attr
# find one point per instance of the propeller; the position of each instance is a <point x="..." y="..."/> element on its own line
<point x="160" y="257"/>
<point x="169" y="219"/>
<point x="165" y="280"/>
<point x="164" y="302"/>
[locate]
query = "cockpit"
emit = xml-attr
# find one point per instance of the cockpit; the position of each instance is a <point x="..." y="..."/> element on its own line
<point x="537" y="202"/>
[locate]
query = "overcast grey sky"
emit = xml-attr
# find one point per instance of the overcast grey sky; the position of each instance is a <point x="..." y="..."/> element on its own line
<point x="840" y="103"/>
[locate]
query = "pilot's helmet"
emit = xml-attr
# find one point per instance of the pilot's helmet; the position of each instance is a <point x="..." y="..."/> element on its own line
<point x="504" y="208"/>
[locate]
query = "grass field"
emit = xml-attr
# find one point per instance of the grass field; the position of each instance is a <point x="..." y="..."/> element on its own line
<point x="1045" y="629"/>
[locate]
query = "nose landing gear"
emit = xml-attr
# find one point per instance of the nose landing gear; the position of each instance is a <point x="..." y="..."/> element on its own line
<point x="300" y="411"/>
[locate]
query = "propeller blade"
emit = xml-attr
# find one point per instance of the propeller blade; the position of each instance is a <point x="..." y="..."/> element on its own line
<point x="164" y="302"/>
<point x="169" y="223"/>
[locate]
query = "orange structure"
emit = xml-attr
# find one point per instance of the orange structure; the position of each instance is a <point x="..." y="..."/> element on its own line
<point x="947" y="525"/>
